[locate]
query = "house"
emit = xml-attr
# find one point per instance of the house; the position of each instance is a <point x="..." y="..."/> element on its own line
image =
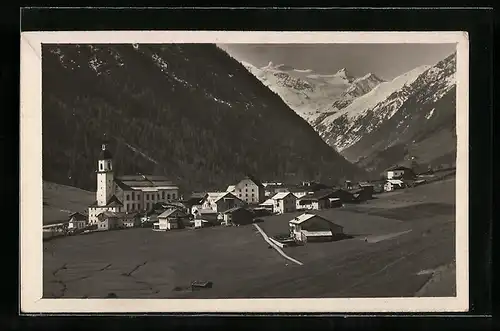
<point x="310" y="227"/>
<point x="231" y="188"/>
<point x="108" y="221"/>
<point x="271" y="189"/>
<point x="268" y="205"/>
<point x="170" y="219"/>
<point x="399" y="172"/>
<point x="238" y="215"/>
<point x="129" y="193"/>
<point x="393" y="184"/>
<point x="335" y="202"/>
<point x="221" y="201"/>
<point x="131" y="220"/>
<point x="321" y="199"/>
<point x="363" y="193"/>
<point x="210" y="216"/>
<point x="284" y="202"/>
<point x="250" y="190"/>
<point x="77" y="221"/>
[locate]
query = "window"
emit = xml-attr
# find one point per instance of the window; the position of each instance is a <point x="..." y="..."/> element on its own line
<point x="101" y="166"/>
<point x="147" y="196"/>
<point x="246" y="195"/>
<point x="168" y="196"/>
<point x="246" y="184"/>
<point x="246" y="190"/>
<point x="128" y="197"/>
<point x="163" y="195"/>
<point x="253" y="195"/>
<point x="109" y="165"/>
<point x="173" y="195"/>
<point x="133" y="196"/>
<point x="128" y="207"/>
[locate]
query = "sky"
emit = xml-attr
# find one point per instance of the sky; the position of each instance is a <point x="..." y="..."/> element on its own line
<point x="387" y="61"/>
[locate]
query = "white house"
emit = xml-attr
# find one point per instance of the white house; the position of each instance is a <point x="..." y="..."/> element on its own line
<point x="397" y="172"/>
<point x="169" y="219"/>
<point x="131" y="193"/>
<point x="312" y="227"/>
<point x="284" y="202"/>
<point x="268" y="205"/>
<point x="221" y="201"/>
<point x="250" y="190"/>
<point x="393" y="184"/>
<point x="77" y="221"/>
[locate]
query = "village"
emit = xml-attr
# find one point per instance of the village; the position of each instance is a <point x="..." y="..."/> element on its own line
<point x="145" y="201"/>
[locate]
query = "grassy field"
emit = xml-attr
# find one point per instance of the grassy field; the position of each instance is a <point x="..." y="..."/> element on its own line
<point x="60" y="201"/>
<point x="394" y="261"/>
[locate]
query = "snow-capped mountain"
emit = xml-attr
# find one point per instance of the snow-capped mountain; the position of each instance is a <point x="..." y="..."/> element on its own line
<point x="313" y="95"/>
<point x="365" y="117"/>
<point x="422" y="126"/>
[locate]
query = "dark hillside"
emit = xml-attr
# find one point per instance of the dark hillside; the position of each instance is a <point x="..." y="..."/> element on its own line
<point x="188" y="111"/>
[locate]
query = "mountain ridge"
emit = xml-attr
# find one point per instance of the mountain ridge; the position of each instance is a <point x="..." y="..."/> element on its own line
<point x="187" y="111"/>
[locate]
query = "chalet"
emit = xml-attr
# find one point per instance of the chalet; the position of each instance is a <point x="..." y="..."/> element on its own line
<point x="77" y="221"/>
<point x="310" y="227"/>
<point x="170" y="219"/>
<point x="362" y="194"/>
<point x="238" y="216"/>
<point x="284" y="202"/>
<point x="109" y="221"/>
<point x="268" y="205"/>
<point x="221" y="201"/>
<point x="250" y="190"/>
<point x="321" y="199"/>
<point x="209" y="216"/>
<point x="131" y="220"/>
<point x="399" y="172"/>
<point x="393" y="184"/>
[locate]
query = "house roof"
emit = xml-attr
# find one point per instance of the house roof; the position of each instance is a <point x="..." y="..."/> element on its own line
<point x="307" y="216"/>
<point x="268" y="202"/>
<point x="255" y="180"/>
<point x="227" y="195"/>
<point x="395" y="181"/>
<point x="230" y="188"/>
<point x="78" y="216"/>
<point x="169" y="212"/>
<point x="398" y="167"/>
<point x="321" y="194"/>
<point x="281" y="195"/>
<point x="122" y="185"/>
<point x="198" y="195"/>
<point x="202" y="211"/>
<point x="229" y="211"/>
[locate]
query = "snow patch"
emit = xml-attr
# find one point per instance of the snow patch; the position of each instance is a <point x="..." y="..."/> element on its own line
<point x="429" y="115"/>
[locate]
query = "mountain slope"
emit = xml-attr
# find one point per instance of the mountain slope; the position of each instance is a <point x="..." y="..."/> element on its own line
<point x="187" y="111"/>
<point x="313" y="95"/>
<point x="423" y="127"/>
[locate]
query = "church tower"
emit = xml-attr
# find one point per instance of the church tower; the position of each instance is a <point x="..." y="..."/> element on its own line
<point x="105" y="187"/>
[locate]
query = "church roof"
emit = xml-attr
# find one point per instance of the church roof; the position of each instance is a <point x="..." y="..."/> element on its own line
<point x="112" y="202"/>
<point x="134" y="181"/>
<point x="105" y="154"/>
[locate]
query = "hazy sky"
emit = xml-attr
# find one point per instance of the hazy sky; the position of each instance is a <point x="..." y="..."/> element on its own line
<point x="385" y="60"/>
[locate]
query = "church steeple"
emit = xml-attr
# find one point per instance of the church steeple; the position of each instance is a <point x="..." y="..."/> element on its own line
<point x="105" y="180"/>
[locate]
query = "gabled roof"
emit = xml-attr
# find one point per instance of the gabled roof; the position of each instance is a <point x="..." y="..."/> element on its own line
<point x="229" y="211"/>
<point x="307" y="216"/>
<point x="230" y="188"/>
<point x="398" y="167"/>
<point x="254" y="180"/>
<point x="321" y="194"/>
<point x="141" y="180"/>
<point x="227" y="195"/>
<point x="202" y="211"/>
<point x="281" y="195"/>
<point x="268" y="202"/>
<point x="114" y="202"/>
<point x="395" y="181"/>
<point x="122" y="185"/>
<point x="78" y="216"/>
<point x="169" y="212"/>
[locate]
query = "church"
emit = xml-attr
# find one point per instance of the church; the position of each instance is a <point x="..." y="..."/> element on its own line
<point x="129" y="193"/>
